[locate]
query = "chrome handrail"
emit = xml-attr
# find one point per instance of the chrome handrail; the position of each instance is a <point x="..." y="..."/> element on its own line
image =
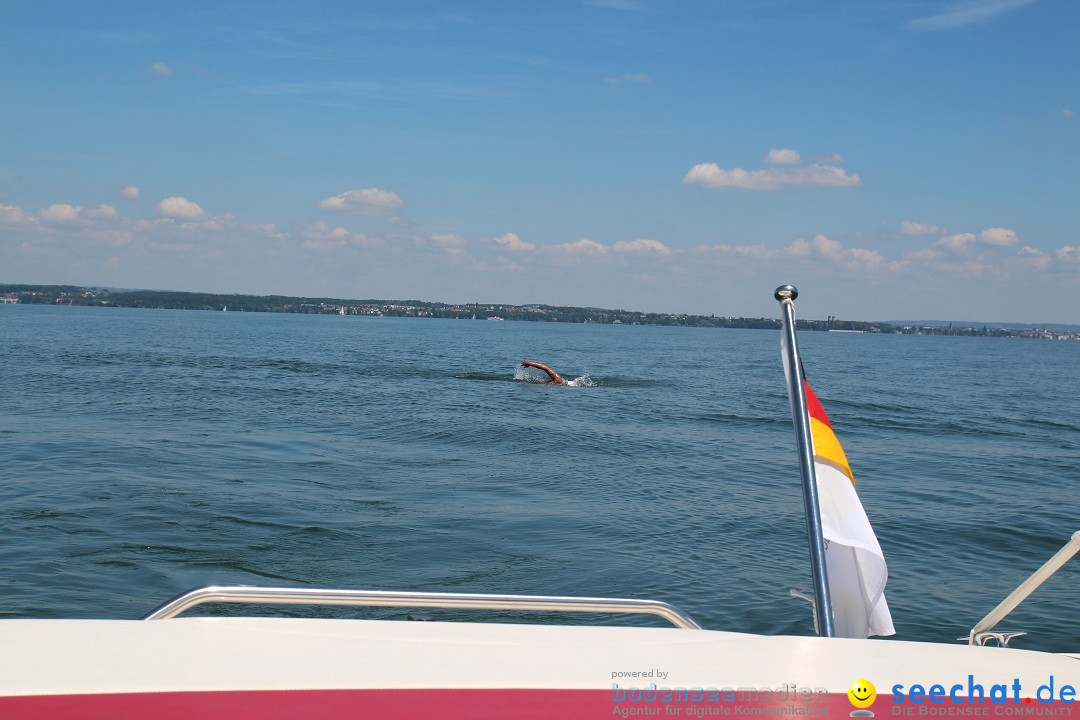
<point x="982" y="630"/>
<point x="396" y="598"/>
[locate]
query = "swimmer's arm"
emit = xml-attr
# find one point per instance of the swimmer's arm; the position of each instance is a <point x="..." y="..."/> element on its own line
<point x="555" y="378"/>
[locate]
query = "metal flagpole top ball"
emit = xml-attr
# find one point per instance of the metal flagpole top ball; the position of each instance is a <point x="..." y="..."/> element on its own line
<point x="786" y="292"/>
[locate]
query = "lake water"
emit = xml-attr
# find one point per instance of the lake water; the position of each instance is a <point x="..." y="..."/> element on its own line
<point x="146" y="452"/>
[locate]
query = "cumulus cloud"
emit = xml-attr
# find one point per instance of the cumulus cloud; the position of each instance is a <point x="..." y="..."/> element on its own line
<point x="365" y="201"/>
<point x="12" y="215"/>
<point x="513" y="243"/>
<point x="799" y="248"/>
<point x="834" y="250"/>
<point x="999" y="236"/>
<point x="711" y="175"/>
<point x="783" y="157"/>
<point x="323" y="231"/>
<point x="957" y="241"/>
<point x="995" y="236"/>
<point x="179" y="208"/>
<point x="827" y="246"/>
<point x="161" y="68"/>
<point x="641" y="246"/>
<point x="583" y="246"/>
<point x="914" y="228"/>
<point x="866" y="257"/>
<point x="129" y="192"/>
<point x="60" y="213"/>
<point x="102" y="212"/>
<point x="320" y="236"/>
<point x="1035" y="257"/>
<point x="65" y="213"/>
<point x="1069" y="253"/>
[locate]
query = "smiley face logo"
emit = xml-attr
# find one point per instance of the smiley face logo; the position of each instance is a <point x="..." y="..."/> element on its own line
<point x="862" y="693"/>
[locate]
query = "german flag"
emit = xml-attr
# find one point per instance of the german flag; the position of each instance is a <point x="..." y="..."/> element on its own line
<point x="855" y="564"/>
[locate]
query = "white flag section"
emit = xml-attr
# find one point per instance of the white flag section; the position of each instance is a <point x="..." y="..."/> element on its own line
<point x="853" y="557"/>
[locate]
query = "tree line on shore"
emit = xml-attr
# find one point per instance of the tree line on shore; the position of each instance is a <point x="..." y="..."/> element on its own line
<point x="160" y="299"/>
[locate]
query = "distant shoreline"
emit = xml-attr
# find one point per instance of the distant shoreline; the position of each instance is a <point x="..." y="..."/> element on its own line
<point x="169" y="300"/>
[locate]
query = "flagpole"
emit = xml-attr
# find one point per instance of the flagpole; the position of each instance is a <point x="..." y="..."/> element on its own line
<point x="785" y="295"/>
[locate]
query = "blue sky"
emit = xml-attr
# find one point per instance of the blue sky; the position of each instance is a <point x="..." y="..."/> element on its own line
<point x="894" y="159"/>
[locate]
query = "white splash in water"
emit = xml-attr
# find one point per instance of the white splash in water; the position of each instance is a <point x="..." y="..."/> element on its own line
<point x="526" y="375"/>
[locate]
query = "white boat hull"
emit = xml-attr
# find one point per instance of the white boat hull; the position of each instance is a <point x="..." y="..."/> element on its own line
<point x="288" y="667"/>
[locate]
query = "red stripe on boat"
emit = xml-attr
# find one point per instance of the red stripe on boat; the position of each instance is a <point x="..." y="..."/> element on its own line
<point x="468" y="704"/>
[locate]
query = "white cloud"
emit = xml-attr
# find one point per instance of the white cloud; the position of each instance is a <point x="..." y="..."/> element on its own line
<point x="321" y="236"/>
<point x="833" y="250"/>
<point x="61" y="213"/>
<point x="799" y="248"/>
<point x="129" y="192"/>
<point x="583" y="246"/>
<point x="1068" y="112"/>
<point x="513" y="243"/>
<point x="12" y="215"/>
<point x="102" y="212"/>
<point x="1034" y="257"/>
<point x="833" y="159"/>
<point x="65" y="213"/>
<point x="827" y="246"/>
<point x="1068" y="253"/>
<point x="711" y="175"/>
<point x="179" y="208"/>
<point x="641" y="246"/>
<point x="323" y="231"/>
<point x="783" y="157"/>
<point x="999" y="236"/>
<point x="914" y="228"/>
<point x="161" y="68"/>
<point x="365" y="201"/>
<point x="866" y="257"/>
<point x="966" y="12"/>
<point x="957" y="241"/>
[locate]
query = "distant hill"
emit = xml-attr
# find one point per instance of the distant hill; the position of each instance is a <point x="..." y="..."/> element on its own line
<point x="171" y="300"/>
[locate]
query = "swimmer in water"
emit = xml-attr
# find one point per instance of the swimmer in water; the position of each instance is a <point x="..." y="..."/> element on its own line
<point x="556" y="379"/>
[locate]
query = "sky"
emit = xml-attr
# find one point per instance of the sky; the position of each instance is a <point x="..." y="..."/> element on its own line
<point x="893" y="159"/>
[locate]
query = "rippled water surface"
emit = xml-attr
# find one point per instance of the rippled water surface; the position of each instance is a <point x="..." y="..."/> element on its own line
<point x="145" y="452"/>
